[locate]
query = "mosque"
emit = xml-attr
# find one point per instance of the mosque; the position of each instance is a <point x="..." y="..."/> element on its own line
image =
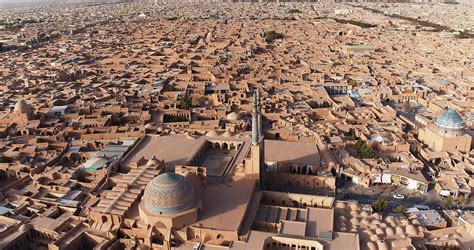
<point x="21" y="116"/>
<point x="446" y="133"/>
<point x="176" y="191"/>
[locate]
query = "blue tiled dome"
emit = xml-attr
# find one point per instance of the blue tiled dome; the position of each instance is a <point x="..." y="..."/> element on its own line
<point x="450" y="120"/>
<point x="168" y="193"/>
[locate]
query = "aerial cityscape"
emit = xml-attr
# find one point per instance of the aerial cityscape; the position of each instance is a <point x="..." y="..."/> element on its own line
<point x="211" y="125"/>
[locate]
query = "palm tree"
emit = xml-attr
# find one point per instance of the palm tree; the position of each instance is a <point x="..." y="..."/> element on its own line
<point x="400" y="209"/>
<point x="380" y="205"/>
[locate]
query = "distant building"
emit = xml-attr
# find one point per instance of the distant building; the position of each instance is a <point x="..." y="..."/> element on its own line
<point x="358" y="48"/>
<point x="446" y="133"/>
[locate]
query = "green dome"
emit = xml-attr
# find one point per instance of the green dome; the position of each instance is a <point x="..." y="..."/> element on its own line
<point x="450" y="120"/>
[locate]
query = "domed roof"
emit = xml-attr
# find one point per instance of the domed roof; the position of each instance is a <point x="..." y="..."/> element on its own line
<point x="451" y="120"/>
<point x="153" y="161"/>
<point x="22" y="107"/>
<point x="233" y="116"/>
<point x="411" y="230"/>
<point x="212" y="133"/>
<point x="227" y="134"/>
<point x="340" y="204"/>
<point x="168" y="193"/>
<point x="389" y="231"/>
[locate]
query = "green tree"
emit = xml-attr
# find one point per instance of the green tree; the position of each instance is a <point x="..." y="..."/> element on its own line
<point x="380" y="205"/>
<point x="449" y="202"/>
<point x="4" y="159"/>
<point x="364" y="151"/>
<point x="292" y="11"/>
<point x="35" y="90"/>
<point x="400" y="209"/>
<point x="118" y="119"/>
<point x="185" y="101"/>
<point x="270" y="36"/>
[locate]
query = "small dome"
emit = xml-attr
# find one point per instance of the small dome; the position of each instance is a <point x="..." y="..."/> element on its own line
<point x="372" y="226"/>
<point x="389" y="231"/>
<point x="382" y="245"/>
<point x="227" y="134"/>
<point x="355" y="221"/>
<point x="22" y="107"/>
<point x="411" y="230"/>
<point x="405" y="222"/>
<point x="153" y="161"/>
<point x="212" y="133"/>
<point x="377" y="216"/>
<point x="450" y="120"/>
<point x="365" y="222"/>
<point x="399" y="230"/>
<point x="168" y="193"/>
<point x="355" y="213"/>
<point x="233" y="116"/>
<point x="371" y="246"/>
<point x="355" y="206"/>
<point x="415" y="222"/>
<point x="374" y="237"/>
<point x="340" y="205"/>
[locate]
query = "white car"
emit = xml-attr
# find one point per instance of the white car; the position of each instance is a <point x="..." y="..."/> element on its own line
<point x="399" y="196"/>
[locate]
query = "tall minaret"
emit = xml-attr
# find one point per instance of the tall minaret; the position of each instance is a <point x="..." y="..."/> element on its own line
<point x="259" y="116"/>
<point x="255" y="135"/>
<point x="258" y="161"/>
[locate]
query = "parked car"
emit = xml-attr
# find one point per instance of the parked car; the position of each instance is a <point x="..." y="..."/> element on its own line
<point x="399" y="196"/>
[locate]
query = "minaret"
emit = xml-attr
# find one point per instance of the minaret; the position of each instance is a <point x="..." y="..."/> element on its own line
<point x="255" y="134"/>
<point x="259" y="116"/>
<point x="258" y="161"/>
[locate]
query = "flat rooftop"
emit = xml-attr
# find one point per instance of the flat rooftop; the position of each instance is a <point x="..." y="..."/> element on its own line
<point x="174" y="150"/>
<point x="224" y="206"/>
<point x="294" y="152"/>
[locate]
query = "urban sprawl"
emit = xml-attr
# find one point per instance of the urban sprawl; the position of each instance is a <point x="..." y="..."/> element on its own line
<point x="211" y="125"/>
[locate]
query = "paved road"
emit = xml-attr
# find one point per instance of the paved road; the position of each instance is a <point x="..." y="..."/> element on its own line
<point x="350" y="191"/>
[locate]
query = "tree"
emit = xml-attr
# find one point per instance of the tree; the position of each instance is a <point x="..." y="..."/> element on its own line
<point x="185" y="101"/>
<point x="380" y="205"/>
<point x="291" y="11"/>
<point x="270" y="36"/>
<point x="35" y="90"/>
<point x="400" y="209"/>
<point x="449" y="202"/>
<point x="4" y="159"/>
<point x="364" y="151"/>
<point x="118" y="119"/>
